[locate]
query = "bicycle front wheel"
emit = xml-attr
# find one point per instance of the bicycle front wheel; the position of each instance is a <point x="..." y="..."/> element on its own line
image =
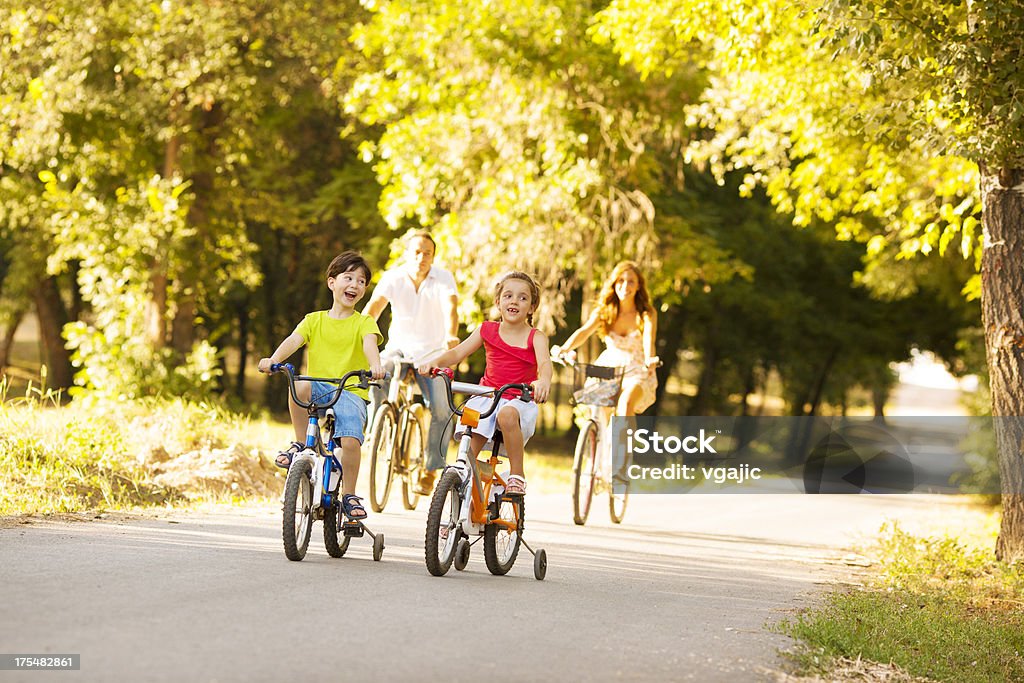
<point x="584" y="465"/>
<point x="414" y="443"/>
<point x="382" y="451"/>
<point x="618" y="496"/>
<point x="297" y="522"/>
<point x="501" y="543"/>
<point x="442" y="537"/>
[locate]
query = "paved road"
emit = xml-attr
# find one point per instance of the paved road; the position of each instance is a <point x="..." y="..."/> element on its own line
<point x="682" y="591"/>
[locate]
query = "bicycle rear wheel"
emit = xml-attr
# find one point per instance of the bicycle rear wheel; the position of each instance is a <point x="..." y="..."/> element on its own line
<point x="442" y="537"/>
<point x="414" y="444"/>
<point x="501" y="545"/>
<point x="382" y="450"/>
<point x="583" y="468"/>
<point x="335" y="540"/>
<point x="297" y="522"/>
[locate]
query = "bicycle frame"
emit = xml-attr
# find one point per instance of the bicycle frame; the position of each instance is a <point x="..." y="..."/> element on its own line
<point x="322" y="459"/>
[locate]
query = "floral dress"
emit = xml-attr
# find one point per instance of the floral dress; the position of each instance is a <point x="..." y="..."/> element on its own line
<point x="628" y="350"/>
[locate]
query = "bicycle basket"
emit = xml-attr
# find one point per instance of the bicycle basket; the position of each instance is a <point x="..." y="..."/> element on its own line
<point x="596" y="385"/>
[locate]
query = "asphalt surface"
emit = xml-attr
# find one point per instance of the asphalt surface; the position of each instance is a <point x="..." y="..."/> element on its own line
<point x="686" y="589"/>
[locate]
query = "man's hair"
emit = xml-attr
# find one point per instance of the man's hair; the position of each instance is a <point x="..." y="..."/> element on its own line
<point x="425" y="234"/>
<point x="346" y="261"/>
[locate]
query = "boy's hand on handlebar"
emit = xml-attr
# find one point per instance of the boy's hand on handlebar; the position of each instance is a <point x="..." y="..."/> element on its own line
<point x="541" y="388"/>
<point x="264" y="365"/>
<point x="426" y="369"/>
<point x="377" y="370"/>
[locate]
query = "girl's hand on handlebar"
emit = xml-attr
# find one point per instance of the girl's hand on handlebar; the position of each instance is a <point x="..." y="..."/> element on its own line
<point x="426" y="369"/>
<point x="264" y="365"/>
<point x="541" y="388"/>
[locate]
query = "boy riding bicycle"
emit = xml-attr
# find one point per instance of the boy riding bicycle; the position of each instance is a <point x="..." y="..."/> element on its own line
<point x="340" y="340"/>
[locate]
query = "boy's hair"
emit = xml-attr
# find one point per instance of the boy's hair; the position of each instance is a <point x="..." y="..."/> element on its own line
<point x="346" y="261"/>
<point x="519" y="275"/>
<point x="424" y="234"/>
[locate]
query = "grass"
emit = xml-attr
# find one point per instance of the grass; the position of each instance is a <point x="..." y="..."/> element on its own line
<point x="938" y="608"/>
<point x="92" y="455"/>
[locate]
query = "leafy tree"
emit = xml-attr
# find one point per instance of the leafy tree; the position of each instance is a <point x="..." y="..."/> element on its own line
<point x="897" y="120"/>
<point x="515" y="139"/>
<point x="151" y="145"/>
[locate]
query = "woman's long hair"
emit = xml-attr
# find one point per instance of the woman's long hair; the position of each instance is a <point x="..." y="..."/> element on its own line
<point x="608" y="300"/>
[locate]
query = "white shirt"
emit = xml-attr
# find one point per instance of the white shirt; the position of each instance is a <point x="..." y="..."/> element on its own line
<point x="419" y="320"/>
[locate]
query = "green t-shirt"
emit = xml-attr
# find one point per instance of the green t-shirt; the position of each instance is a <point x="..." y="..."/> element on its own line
<point x="336" y="346"/>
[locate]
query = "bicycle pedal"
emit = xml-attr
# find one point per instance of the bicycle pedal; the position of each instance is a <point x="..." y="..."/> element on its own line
<point x="352" y="529"/>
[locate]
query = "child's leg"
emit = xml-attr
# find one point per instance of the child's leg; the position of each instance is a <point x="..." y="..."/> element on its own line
<point x="298" y="414"/>
<point x="512" y="432"/>
<point x="349" y="455"/>
<point x="476" y="444"/>
<point x="349" y="426"/>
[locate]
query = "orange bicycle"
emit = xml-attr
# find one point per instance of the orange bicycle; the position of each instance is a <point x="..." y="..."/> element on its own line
<point x="470" y="498"/>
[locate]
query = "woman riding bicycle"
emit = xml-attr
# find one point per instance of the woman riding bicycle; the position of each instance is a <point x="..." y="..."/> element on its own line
<point x="627" y="322"/>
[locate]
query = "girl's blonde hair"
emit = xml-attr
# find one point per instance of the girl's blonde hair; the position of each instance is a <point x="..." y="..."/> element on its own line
<point x="519" y="275"/>
<point x="608" y="300"/>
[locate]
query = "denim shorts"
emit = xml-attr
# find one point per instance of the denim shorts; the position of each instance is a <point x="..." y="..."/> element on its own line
<point x="349" y="411"/>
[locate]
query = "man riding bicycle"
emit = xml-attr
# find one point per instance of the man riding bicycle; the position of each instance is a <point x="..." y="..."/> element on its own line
<point x="424" y="323"/>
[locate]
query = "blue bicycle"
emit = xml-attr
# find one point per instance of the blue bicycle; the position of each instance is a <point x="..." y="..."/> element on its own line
<point x="314" y="477"/>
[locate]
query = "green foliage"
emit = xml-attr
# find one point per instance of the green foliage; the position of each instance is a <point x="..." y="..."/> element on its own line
<point x="150" y="148"/>
<point x="515" y="138"/>
<point x="807" y="118"/>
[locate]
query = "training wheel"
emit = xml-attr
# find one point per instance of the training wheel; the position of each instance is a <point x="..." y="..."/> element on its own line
<point x="462" y="555"/>
<point x="540" y="564"/>
<point x="378" y="547"/>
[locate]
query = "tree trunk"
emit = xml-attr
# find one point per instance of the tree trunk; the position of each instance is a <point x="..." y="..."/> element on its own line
<point x="8" y="339"/>
<point x="243" y="348"/>
<point x="670" y="340"/>
<point x="53" y="316"/>
<point x="156" y="312"/>
<point x="819" y="384"/>
<point x="1002" y="307"/>
<point x="183" y="326"/>
<point x="705" y="386"/>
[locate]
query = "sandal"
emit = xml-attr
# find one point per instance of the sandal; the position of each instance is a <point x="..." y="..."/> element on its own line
<point x="352" y="508"/>
<point x="515" y="485"/>
<point x="285" y="457"/>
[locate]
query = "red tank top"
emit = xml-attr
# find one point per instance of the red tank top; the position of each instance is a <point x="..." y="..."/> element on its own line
<point x="507" y="364"/>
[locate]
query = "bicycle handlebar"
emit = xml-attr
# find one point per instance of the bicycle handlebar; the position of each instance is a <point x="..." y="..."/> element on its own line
<point x="364" y="382"/>
<point x="448" y="374"/>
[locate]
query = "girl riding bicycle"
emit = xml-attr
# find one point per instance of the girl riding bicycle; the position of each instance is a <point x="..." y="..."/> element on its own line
<point x="516" y="353"/>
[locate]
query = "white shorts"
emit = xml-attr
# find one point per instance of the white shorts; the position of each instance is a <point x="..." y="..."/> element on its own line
<point x="528" y="412"/>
